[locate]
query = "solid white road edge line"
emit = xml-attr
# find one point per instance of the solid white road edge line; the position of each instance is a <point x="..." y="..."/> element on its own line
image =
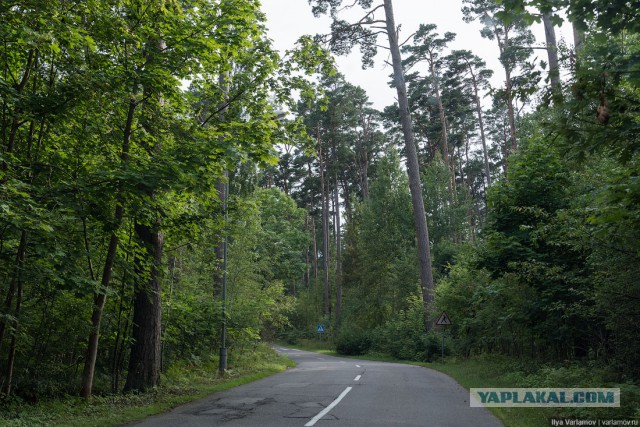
<point x="326" y="410"/>
<point x="357" y="378"/>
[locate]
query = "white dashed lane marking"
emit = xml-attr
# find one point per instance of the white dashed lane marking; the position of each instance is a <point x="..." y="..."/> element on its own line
<point x="326" y="410"/>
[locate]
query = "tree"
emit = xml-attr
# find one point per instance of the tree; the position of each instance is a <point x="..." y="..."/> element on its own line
<point x="475" y="77"/>
<point x="343" y="37"/>
<point x="514" y="40"/>
<point x="429" y="47"/>
<point x="380" y="271"/>
<point x="99" y="135"/>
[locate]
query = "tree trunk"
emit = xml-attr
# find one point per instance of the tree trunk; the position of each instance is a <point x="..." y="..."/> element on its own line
<point x="362" y="158"/>
<point x="145" y="358"/>
<point x="314" y="258"/>
<point x="117" y="361"/>
<point x="307" y="229"/>
<point x="144" y="363"/>
<point x="578" y="37"/>
<point x="422" y="232"/>
<point x="325" y="232"/>
<point x="552" y="52"/>
<point x="483" y="138"/>
<point x="221" y="188"/>
<point x="11" y="360"/>
<point x="485" y="151"/>
<point x="336" y="219"/>
<point x="510" y="113"/>
<point x="503" y="46"/>
<point x="19" y="264"/>
<point x="443" y="127"/>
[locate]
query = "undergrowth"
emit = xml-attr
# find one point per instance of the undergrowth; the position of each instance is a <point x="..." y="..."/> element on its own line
<point x="181" y="383"/>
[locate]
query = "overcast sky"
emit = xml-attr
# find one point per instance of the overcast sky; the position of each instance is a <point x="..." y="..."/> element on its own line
<point x="287" y="20"/>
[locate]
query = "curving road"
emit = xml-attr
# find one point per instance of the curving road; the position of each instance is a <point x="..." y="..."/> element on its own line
<point x="331" y="391"/>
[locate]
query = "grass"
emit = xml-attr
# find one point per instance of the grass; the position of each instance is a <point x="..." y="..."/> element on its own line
<point x="180" y="385"/>
<point x="501" y="371"/>
<point x="490" y="372"/>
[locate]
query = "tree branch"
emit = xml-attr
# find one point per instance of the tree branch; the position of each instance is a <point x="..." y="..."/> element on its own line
<point x="404" y="42"/>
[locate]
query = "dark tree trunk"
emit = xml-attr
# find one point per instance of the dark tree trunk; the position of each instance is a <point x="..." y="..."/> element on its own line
<point x="362" y="157"/>
<point x="19" y="264"/>
<point x="422" y="232"/>
<point x="314" y="258"/>
<point x="146" y="351"/>
<point x="11" y="360"/>
<point x="144" y="363"/>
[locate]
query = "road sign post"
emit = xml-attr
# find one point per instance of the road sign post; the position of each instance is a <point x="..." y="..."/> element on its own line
<point x="443" y="320"/>
<point x="320" y="330"/>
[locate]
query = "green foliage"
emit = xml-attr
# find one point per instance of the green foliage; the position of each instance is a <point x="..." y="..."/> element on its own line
<point x="380" y="270"/>
<point x="100" y="135"/>
<point x="403" y="336"/>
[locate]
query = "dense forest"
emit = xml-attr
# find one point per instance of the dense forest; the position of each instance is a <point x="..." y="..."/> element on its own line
<point x="165" y="171"/>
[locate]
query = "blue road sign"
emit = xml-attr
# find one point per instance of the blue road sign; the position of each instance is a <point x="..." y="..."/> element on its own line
<point x="320" y="329"/>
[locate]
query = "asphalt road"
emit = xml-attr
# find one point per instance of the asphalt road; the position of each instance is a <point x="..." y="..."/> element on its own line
<point x="331" y="391"/>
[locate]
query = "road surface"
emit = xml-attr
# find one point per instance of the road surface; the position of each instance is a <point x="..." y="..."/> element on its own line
<point x="331" y="391"/>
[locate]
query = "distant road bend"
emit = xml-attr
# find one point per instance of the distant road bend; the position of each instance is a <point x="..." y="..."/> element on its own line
<point x="332" y="391"/>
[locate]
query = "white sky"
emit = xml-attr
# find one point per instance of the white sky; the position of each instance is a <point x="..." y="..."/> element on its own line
<point x="287" y="20"/>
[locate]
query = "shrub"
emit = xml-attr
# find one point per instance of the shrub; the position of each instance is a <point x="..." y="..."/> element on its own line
<point x="404" y="337"/>
<point x="353" y="342"/>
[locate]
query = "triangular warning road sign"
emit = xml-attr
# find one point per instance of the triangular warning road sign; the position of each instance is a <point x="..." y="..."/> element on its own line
<point x="443" y="319"/>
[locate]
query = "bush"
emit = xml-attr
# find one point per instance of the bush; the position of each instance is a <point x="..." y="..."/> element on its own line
<point x="353" y="342"/>
<point x="404" y="336"/>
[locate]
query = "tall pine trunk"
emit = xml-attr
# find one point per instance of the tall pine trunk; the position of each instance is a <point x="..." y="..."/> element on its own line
<point x="314" y="258"/>
<point x="326" y="306"/>
<point x="508" y="95"/>
<point x="422" y="232"/>
<point x="362" y="157"/>
<point x="483" y="138"/>
<point x="338" y="226"/>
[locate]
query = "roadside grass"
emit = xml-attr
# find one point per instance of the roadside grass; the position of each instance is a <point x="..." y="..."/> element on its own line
<point x="487" y="371"/>
<point x="181" y="384"/>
